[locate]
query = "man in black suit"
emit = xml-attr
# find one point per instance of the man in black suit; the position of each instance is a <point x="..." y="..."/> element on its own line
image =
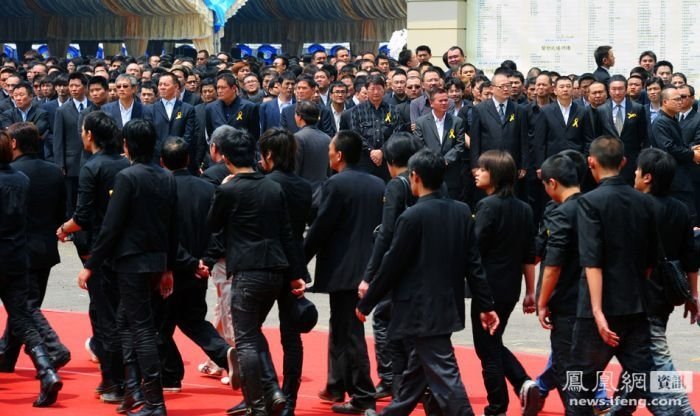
<point x="312" y="148"/>
<point x="559" y="126"/>
<point x="126" y="107"/>
<point x="605" y="59"/>
<point x="139" y="235"/>
<point x="170" y="116"/>
<point x="341" y="237"/>
<point x="668" y="136"/>
<point x="232" y="110"/>
<point x="187" y="307"/>
<point x="261" y="257"/>
<point x="25" y="111"/>
<point x="617" y="249"/>
<point x="45" y="211"/>
<point x="426" y="311"/>
<point x="67" y="144"/>
<point x="304" y="91"/>
<point x="62" y="96"/>
<point x="183" y="73"/>
<point x="442" y="132"/>
<point x="690" y="129"/>
<point x="500" y="124"/>
<point x="625" y="119"/>
<point x="270" y="112"/>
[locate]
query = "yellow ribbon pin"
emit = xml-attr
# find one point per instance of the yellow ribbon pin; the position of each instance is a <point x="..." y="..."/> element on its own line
<point x="631" y="115"/>
<point x="452" y="133"/>
<point x="387" y="119"/>
<point x="575" y="124"/>
<point x="239" y="117"/>
<point x="512" y="118"/>
<point x="179" y="115"/>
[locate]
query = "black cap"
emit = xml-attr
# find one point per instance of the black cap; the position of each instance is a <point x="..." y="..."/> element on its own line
<point x="304" y="315"/>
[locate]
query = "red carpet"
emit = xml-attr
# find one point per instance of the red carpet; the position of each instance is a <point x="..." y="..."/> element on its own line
<point x="206" y="396"/>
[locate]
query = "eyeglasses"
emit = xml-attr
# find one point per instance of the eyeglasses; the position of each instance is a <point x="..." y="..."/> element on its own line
<point x="413" y="87"/>
<point x="676" y="99"/>
<point x="503" y="87"/>
<point x="683" y="97"/>
<point x="122" y="86"/>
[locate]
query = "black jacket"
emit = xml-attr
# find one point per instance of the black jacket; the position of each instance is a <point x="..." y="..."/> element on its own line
<point x="326" y="122"/>
<point x="506" y="236"/>
<point x="243" y="115"/>
<point x="551" y="135"/>
<point x="434" y="249"/>
<point x="488" y="132"/>
<point x="14" y="192"/>
<point x="181" y="123"/>
<point x="139" y="231"/>
<point x="617" y="233"/>
<point x="36" y="115"/>
<point x="252" y="212"/>
<point x="46" y="208"/>
<point x="341" y="235"/>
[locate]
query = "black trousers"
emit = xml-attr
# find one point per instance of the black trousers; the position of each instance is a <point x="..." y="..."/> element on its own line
<point x="561" y="339"/>
<point x="11" y="343"/>
<point x="290" y="338"/>
<point x="135" y="322"/>
<point x="71" y="194"/>
<point x="348" y="360"/>
<point x="186" y="308"/>
<point x="593" y="355"/>
<point x="252" y="295"/>
<point x="13" y="293"/>
<point x="431" y="363"/>
<point x="497" y="362"/>
<point x="382" y="344"/>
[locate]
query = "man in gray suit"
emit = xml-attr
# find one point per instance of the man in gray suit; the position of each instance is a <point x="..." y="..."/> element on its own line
<point x="442" y="132"/>
<point x="312" y="148"/>
<point x="67" y="144"/>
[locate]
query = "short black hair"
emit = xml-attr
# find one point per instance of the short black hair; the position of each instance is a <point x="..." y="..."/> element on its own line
<point x="26" y="135"/>
<point x="659" y="64"/>
<point x="501" y="166"/>
<point x="282" y="147"/>
<point x="608" y="151"/>
<point x="175" y="153"/>
<point x="79" y="76"/>
<point x="579" y="161"/>
<point x="27" y="86"/>
<point x="375" y="80"/>
<point x="560" y="168"/>
<point x="424" y="48"/>
<point x="105" y="132"/>
<point x="647" y="53"/>
<point x="662" y="168"/>
<point x="99" y="80"/>
<point x="308" y="111"/>
<point x="350" y="144"/>
<point x="400" y="147"/>
<point x="654" y="80"/>
<point x="618" y="78"/>
<point x="238" y="147"/>
<point x="430" y="167"/>
<point x="601" y="52"/>
<point x="140" y="136"/>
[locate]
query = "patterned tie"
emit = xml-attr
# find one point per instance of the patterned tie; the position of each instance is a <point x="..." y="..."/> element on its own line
<point x="502" y="112"/>
<point x="619" y="119"/>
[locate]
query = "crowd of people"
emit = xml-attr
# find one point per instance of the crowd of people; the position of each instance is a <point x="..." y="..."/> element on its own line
<point x="412" y="186"/>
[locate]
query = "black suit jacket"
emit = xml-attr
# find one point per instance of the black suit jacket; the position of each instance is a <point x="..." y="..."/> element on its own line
<point x="67" y="143"/>
<point x="191" y="98"/>
<point x="690" y="129"/>
<point x="244" y="115"/>
<point x="488" y="132"/>
<point x="114" y="112"/>
<point x="270" y="114"/>
<point x="312" y="155"/>
<point x="452" y="147"/>
<point x="36" y="115"/>
<point x="634" y="132"/>
<point x="506" y="236"/>
<point x="433" y="251"/>
<point x="326" y="122"/>
<point x="346" y="119"/>
<point x="600" y="74"/>
<point x="341" y="236"/>
<point x="182" y="123"/>
<point x="139" y="231"/>
<point x="551" y="135"/>
<point x="192" y="210"/>
<point x="199" y="152"/>
<point x="46" y="208"/>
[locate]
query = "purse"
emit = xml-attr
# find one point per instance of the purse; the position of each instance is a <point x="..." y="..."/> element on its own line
<point x="673" y="279"/>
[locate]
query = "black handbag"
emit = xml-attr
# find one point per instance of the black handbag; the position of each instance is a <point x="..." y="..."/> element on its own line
<point x="673" y="279"/>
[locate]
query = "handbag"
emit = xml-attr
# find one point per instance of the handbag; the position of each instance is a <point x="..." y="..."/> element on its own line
<point x="673" y="278"/>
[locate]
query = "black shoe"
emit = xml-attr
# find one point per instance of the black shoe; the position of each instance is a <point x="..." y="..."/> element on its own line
<point x="327" y="396"/>
<point x="382" y="391"/>
<point x="234" y="374"/>
<point x="51" y="384"/>
<point x="60" y="360"/>
<point x="349" y="408"/>
<point x="114" y="396"/>
<point x="529" y="398"/>
<point x="275" y="403"/>
<point x="238" y="410"/>
<point x="133" y="395"/>
<point x="155" y="405"/>
<point x="172" y="386"/>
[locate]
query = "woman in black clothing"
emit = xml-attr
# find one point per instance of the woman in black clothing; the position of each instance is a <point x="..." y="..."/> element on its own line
<point x="14" y="186"/>
<point x="505" y="232"/>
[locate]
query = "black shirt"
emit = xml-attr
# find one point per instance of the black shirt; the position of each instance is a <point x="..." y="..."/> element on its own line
<point x="375" y="124"/>
<point x="14" y="189"/>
